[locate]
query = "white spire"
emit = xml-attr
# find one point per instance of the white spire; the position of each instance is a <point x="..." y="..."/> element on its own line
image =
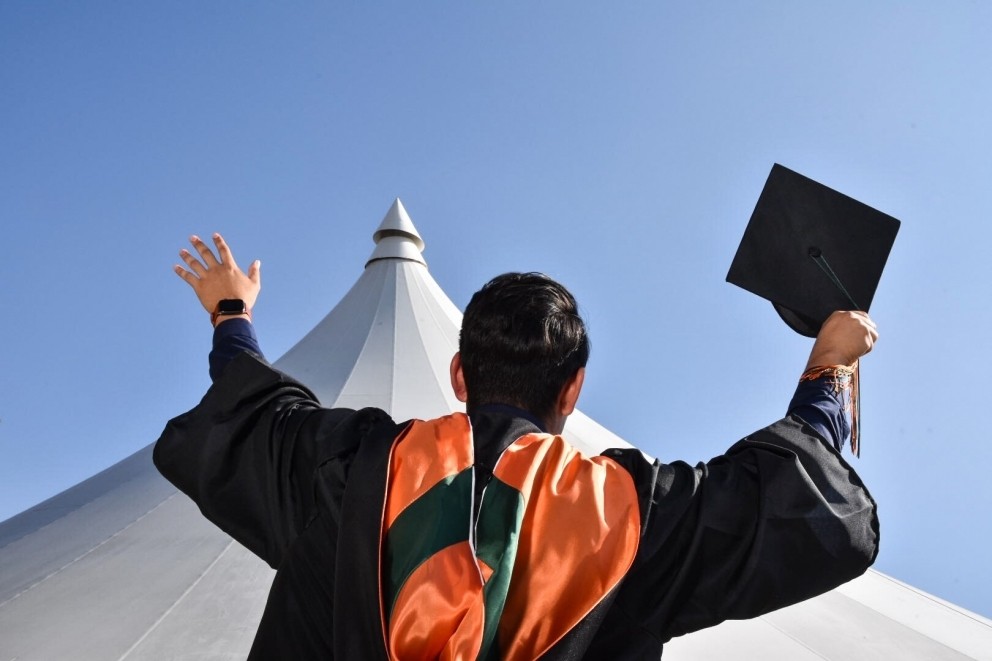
<point x="397" y="238"/>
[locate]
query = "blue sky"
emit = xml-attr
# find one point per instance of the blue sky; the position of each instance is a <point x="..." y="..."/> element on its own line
<point x="619" y="147"/>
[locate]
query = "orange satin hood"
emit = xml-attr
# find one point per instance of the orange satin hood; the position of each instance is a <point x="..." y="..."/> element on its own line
<point x="556" y="531"/>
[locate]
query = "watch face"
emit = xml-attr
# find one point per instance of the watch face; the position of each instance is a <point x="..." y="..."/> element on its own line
<point x="231" y="306"/>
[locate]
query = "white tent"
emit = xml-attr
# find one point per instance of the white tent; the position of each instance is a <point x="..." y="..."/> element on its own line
<point x="122" y="566"/>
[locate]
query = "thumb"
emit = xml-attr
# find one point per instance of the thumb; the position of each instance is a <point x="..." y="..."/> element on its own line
<point x="255" y="272"/>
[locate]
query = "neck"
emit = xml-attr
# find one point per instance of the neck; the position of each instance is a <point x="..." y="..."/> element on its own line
<point x="517" y="412"/>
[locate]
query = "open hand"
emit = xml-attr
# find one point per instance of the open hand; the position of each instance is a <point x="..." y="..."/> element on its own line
<point x="216" y="278"/>
<point x="844" y="337"/>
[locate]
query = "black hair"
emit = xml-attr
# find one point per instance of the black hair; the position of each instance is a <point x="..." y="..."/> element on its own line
<point x="522" y="338"/>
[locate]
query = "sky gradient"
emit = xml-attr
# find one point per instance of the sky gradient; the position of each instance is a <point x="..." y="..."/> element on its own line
<point x="619" y="148"/>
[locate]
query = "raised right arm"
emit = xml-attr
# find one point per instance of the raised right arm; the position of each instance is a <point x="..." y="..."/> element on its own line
<point x="780" y="517"/>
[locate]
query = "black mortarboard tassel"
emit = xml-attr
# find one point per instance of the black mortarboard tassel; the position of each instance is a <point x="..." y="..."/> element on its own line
<point x="812" y="251"/>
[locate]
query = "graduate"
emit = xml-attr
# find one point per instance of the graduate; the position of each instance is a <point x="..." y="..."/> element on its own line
<point x="485" y="535"/>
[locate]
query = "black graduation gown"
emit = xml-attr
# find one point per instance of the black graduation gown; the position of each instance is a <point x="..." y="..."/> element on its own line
<point x="779" y="518"/>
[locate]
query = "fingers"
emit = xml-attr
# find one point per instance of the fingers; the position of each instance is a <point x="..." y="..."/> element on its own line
<point x="224" y="251"/>
<point x="844" y="337"/>
<point x="857" y="314"/>
<point x="863" y="317"/>
<point x="869" y="326"/>
<point x="185" y="275"/>
<point x="192" y="262"/>
<point x="206" y="254"/>
<point x="255" y="272"/>
<point x="862" y="323"/>
<point x="846" y="317"/>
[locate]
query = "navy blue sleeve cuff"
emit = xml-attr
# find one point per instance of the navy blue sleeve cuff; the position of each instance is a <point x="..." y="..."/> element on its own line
<point x="823" y="409"/>
<point x="231" y="337"/>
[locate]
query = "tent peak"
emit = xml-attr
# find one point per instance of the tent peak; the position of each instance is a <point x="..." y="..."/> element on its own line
<point x="397" y="238"/>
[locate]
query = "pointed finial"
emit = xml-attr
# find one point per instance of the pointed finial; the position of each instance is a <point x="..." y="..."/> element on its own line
<point x="396" y="237"/>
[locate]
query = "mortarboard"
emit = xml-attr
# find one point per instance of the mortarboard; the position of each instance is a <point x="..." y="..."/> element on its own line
<point x="811" y="250"/>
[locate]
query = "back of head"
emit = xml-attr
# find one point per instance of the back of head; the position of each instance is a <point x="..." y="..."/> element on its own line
<point x="522" y="338"/>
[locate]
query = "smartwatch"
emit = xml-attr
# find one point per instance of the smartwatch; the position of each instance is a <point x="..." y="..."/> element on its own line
<point x="228" y="307"/>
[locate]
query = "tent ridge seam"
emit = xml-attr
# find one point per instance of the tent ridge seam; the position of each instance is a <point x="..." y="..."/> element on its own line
<point x="179" y="600"/>
<point x="797" y="641"/>
<point x="974" y="617"/>
<point x="906" y="625"/>
<point x="365" y="342"/>
<point x="439" y="379"/>
<point x="44" y="507"/>
<point x="83" y="555"/>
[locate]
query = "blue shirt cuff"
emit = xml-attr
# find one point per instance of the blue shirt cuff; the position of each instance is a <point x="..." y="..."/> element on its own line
<point x="231" y="337"/>
<point x="823" y="409"/>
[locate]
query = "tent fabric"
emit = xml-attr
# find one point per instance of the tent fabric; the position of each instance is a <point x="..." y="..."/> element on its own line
<point x="122" y="566"/>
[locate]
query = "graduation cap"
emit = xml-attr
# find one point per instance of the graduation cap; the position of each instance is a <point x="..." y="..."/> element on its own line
<point x="811" y="250"/>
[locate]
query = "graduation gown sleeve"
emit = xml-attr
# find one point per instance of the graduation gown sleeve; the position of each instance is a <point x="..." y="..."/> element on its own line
<point x="779" y="518"/>
<point x="248" y="452"/>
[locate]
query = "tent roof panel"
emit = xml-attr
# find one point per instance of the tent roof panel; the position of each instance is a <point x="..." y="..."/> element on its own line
<point x="216" y="618"/>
